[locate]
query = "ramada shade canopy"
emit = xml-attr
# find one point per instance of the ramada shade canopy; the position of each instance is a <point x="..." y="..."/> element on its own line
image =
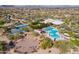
<point x="57" y="22"/>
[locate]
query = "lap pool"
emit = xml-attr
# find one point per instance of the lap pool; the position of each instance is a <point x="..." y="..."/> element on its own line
<point x="54" y="33"/>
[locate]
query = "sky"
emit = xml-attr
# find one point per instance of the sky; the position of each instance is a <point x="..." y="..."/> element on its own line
<point x="39" y="2"/>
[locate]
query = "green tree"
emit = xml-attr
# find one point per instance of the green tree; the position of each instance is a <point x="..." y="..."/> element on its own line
<point x="3" y="46"/>
<point x="1" y="23"/>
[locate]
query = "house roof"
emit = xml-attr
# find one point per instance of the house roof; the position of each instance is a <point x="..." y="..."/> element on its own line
<point x="57" y="22"/>
<point x="21" y="25"/>
<point x="48" y="20"/>
<point x="18" y="30"/>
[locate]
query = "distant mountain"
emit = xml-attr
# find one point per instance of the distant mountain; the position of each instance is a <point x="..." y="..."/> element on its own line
<point x="7" y="5"/>
<point x="41" y="6"/>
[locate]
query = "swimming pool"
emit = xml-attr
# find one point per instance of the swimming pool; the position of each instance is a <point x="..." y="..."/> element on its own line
<point x="54" y="33"/>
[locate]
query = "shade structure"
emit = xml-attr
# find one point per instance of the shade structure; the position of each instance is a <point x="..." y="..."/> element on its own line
<point x="57" y="22"/>
<point x="49" y="20"/>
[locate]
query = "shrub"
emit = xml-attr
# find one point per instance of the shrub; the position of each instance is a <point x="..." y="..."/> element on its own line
<point x="27" y="29"/>
<point x="35" y="33"/>
<point x="11" y="37"/>
<point x="46" y="43"/>
<point x="3" y="46"/>
<point x="64" y="46"/>
<point x="37" y="25"/>
<point x="14" y="37"/>
<point x="75" y="41"/>
<point x="1" y="23"/>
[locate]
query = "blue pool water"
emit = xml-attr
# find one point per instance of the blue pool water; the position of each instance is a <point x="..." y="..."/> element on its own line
<point x="54" y="33"/>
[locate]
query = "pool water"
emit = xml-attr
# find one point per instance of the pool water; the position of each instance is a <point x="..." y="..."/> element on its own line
<point x="54" y="33"/>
